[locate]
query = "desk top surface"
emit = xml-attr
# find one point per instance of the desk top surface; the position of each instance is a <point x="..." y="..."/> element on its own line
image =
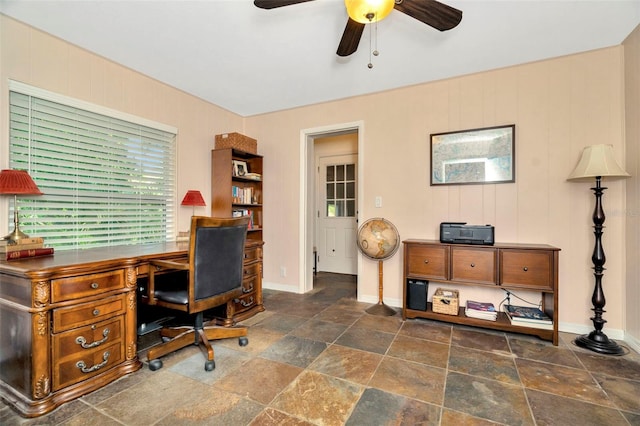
<point x="127" y="255"/>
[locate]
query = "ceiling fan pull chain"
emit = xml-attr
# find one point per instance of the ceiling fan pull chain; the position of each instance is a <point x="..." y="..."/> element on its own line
<point x="370" y="64"/>
<point x="375" y="50"/>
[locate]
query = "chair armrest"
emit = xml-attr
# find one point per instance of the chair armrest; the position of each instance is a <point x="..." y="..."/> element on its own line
<point x="158" y="265"/>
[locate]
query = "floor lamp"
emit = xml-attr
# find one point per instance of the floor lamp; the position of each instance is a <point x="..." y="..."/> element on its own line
<point x="598" y="161"/>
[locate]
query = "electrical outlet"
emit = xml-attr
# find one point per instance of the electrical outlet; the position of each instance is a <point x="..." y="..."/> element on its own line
<point x="283" y="271"/>
<point x="378" y="201"/>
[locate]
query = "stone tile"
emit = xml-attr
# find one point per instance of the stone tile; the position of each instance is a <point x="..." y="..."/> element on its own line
<point x="418" y="350"/>
<point x="327" y="400"/>
<point x="294" y="350"/>
<point x="560" y="380"/>
<point x="546" y="352"/>
<point x="64" y="413"/>
<point x="212" y="406"/>
<point x="227" y="360"/>
<point x="281" y="323"/>
<point x="346" y="363"/>
<point x="260" y="338"/>
<point x="380" y="323"/>
<point x="484" y="364"/>
<point x="261" y="387"/>
<point x="625" y="394"/>
<point x="92" y="417"/>
<point x="428" y="330"/>
<point x="482" y="340"/>
<point x="321" y="331"/>
<point x="626" y="367"/>
<point x="487" y="399"/>
<point x="455" y="418"/>
<point x="632" y="418"/>
<point x="118" y="386"/>
<point x="271" y="417"/>
<point x="411" y="379"/>
<point x="389" y="409"/>
<point x="549" y="409"/>
<point x="366" y="340"/>
<point x="339" y="314"/>
<point x="149" y="401"/>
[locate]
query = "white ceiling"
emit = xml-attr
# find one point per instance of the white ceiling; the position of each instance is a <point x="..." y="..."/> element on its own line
<point x="251" y="61"/>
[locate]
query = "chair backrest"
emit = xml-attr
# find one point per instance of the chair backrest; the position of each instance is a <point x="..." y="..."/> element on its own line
<point x="216" y="255"/>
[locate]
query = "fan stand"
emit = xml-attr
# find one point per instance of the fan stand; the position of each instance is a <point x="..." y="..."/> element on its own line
<point x="380" y="309"/>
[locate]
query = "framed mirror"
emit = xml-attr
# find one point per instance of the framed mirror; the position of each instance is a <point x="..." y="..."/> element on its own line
<point x="473" y="156"/>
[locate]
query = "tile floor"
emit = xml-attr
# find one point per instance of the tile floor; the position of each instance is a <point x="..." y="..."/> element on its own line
<point x="320" y="359"/>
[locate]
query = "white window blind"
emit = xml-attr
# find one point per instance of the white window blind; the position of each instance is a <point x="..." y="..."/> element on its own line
<point x="106" y="181"/>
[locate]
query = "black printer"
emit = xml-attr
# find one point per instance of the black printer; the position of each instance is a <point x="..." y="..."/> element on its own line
<point x="461" y="233"/>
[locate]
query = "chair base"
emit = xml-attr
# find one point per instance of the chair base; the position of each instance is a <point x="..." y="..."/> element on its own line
<point x="181" y="337"/>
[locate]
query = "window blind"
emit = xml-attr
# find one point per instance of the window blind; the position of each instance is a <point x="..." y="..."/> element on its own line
<point x="106" y="181"/>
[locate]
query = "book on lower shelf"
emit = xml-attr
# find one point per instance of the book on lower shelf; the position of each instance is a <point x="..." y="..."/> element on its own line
<point x="480" y="310"/>
<point x="27" y="253"/>
<point x="524" y="316"/>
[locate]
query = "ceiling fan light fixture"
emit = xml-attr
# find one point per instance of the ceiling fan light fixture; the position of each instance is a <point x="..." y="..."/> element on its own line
<point x="368" y="11"/>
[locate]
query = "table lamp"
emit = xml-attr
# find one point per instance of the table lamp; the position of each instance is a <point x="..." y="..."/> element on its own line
<point x="17" y="182"/>
<point x="598" y="161"/>
<point x="193" y="198"/>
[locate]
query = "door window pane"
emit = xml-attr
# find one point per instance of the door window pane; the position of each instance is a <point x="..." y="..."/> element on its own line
<point x="341" y="190"/>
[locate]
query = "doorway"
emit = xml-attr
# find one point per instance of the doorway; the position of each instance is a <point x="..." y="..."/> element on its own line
<point x="313" y="145"/>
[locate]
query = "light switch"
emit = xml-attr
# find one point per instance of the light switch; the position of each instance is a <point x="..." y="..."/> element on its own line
<point x="378" y="201"/>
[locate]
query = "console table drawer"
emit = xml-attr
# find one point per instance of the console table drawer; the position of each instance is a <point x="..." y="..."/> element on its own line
<point x="86" y="285"/>
<point x="252" y="254"/>
<point x="87" y="338"/>
<point x="428" y="261"/>
<point x="474" y="265"/>
<point x="527" y="268"/>
<point x="86" y="364"/>
<point x="88" y="313"/>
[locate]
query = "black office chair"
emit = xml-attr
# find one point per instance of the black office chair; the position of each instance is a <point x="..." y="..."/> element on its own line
<point x="212" y="277"/>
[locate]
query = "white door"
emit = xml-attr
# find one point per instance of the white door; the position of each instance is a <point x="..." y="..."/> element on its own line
<point x="337" y="225"/>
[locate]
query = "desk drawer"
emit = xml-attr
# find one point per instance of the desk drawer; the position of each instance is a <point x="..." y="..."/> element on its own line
<point x="86" y="339"/>
<point x="522" y="268"/>
<point x="87" y="364"/>
<point x="86" y="285"/>
<point x="88" y="313"/>
<point x="428" y="261"/>
<point x="252" y="254"/>
<point x="244" y="302"/>
<point x="250" y="270"/>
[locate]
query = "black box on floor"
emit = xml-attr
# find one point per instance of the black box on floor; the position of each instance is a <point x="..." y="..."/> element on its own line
<point x="417" y="294"/>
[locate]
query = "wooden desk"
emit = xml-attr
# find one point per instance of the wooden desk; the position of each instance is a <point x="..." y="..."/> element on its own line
<point x="68" y="322"/>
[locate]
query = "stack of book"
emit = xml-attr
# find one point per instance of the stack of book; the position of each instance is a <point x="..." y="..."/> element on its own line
<point x="481" y="310"/>
<point x="25" y="247"/>
<point x="528" y="317"/>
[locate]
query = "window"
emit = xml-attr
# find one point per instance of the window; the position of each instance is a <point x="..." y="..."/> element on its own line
<point x="107" y="178"/>
<point x="341" y="190"/>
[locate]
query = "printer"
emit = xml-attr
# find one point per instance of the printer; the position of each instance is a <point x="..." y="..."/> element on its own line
<point x="461" y="233"/>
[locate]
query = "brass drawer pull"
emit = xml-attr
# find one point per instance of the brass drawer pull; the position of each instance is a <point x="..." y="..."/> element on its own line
<point x="247" y="290"/>
<point x="83" y="367"/>
<point x="473" y="265"/>
<point x="426" y="261"/>
<point x="95" y="285"/>
<point x="83" y="342"/>
<point x="247" y="304"/>
<point x="525" y="269"/>
<point x="96" y="312"/>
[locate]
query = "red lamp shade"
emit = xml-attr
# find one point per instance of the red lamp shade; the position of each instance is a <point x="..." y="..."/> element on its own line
<point x="17" y="182"/>
<point x="193" y="198"/>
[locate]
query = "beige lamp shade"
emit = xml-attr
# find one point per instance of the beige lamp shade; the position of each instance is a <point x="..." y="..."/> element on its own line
<point x="597" y="160"/>
<point x="366" y="11"/>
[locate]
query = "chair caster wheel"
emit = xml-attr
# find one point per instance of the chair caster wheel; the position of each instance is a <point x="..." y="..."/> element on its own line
<point x="243" y="341"/>
<point x="155" y="364"/>
<point x="209" y="365"/>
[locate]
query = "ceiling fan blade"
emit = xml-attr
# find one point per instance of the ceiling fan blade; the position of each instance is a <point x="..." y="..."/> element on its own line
<point x="431" y="12"/>
<point x="350" y="38"/>
<point x="272" y="4"/>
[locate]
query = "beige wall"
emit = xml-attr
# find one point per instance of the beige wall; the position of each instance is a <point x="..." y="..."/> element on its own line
<point x="559" y="106"/>
<point x="35" y="58"/>
<point x="632" y="134"/>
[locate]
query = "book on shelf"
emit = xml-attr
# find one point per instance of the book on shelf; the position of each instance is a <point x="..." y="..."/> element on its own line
<point x="543" y="325"/>
<point x="480" y="310"/>
<point x="27" y="253"/>
<point x="526" y="314"/>
<point x="253" y="176"/>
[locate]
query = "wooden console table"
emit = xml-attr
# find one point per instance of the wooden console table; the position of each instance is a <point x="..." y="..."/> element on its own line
<point x="68" y="321"/>
<point x="507" y="266"/>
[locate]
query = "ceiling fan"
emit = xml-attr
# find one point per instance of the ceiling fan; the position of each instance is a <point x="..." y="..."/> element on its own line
<point x="431" y="12"/>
